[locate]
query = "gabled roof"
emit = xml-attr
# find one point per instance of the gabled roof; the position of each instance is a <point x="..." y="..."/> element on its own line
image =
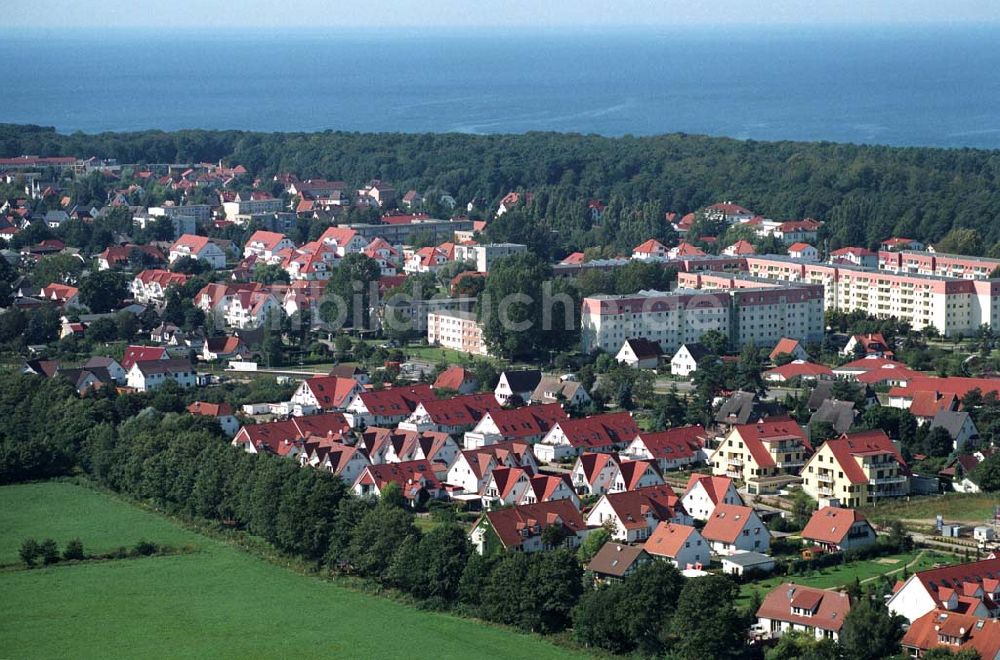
<point x="715" y="487"/>
<point x="331" y="391"/>
<point x="644" y="349"/>
<point x="480" y="458"/>
<point x="727" y="522"/>
<point x="951" y="421"/>
<point x="838" y="414"/>
<point x="798" y="247"/>
<point x="799" y="369"/>
<point x="276" y="437"/>
<point x="194" y="244"/>
<point x="975" y="633"/>
<point x="675" y="443"/>
<point x="528" y="421"/>
<point x="544" y="486"/>
<point x="755" y="435"/>
<point x="525" y="380"/>
<point x="632" y="506"/>
<point x="460" y="410"/>
<point x="668" y="539"/>
<point x="210" y="409"/>
<point x="831" y="524"/>
<point x="632" y="472"/>
<point x="396" y="401"/>
<point x="453" y="378"/>
<point x="135" y="354"/>
<point x="593" y="462"/>
<point x="652" y="246"/>
<point x="616" y="559"/>
<point x="599" y="431"/>
<point x="170" y="366"/>
<point x="408" y="475"/>
<point x="953" y="577"/>
<point x="865" y="443"/>
<point x="827" y="609"/>
<point x="785" y="345"/>
<point x="744" y="407"/>
<point x="268" y="239"/>
<point x="517" y="523"/>
<point x="506" y="478"/>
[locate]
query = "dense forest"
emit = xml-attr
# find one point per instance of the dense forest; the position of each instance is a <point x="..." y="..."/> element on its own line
<point x="865" y="193"/>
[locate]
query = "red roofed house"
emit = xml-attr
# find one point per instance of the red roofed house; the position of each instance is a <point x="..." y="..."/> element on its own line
<point x="834" y="528"/>
<point x="344" y="240"/>
<point x="870" y="344"/>
<point x="685" y="249"/>
<point x="672" y="449"/>
<point x="150" y="286"/>
<point x="954" y="631"/>
<point x="899" y="244"/>
<point x="740" y="248"/>
<point x="549" y="488"/>
<point x="792" y="347"/>
<point x="226" y="347"/>
<point x="514" y="486"/>
<point x="415" y="478"/>
<point x="704" y="492"/>
<point x="324" y="453"/>
<point x="526" y="424"/>
<point x="197" y="247"/>
<point x="857" y="256"/>
<point x="595" y="473"/>
<point x="521" y="527"/>
<point x="633" y="475"/>
<point x="971" y="588"/>
<point x="326" y="393"/>
<point x="763" y="456"/>
<point x="733" y="528"/>
<point x="266" y="244"/>
<point x="681" y="545"/>
<point x="222" y="412"/>
<point x="651" y="250"/>
<point x="802" y="251"/>
<point x="602" y="433"/>
<point x="135" y="354"/>
<point x="632" y="515"/>
<point x="454" y="416"/>
<point x="798" y="369"/>
<point x="856" y="470"/>
<point x="287" y="437"/>
<point x="456" y="379"/>
<point x="728" y="212"/>
<point x="62" y="294"/>
<point x="793" y="608"/>
<point x="386" y="407"/>
<point x="472" y="468"/>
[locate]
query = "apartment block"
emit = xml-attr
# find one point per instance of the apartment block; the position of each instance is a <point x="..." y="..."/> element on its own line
<point x="856" y="470"/>
<point x="459" y="331"/>
<point x="937" y="263"/>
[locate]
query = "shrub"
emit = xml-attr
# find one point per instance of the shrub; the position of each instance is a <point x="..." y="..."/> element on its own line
<point x="144" y="549"/>
<point x="29" y="552"/>
<point x="74" y="550"/>
<point x="49" y="550"/>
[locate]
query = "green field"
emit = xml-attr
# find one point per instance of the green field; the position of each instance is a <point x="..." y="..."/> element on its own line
<point x="959" y="507"/>
<point x="839" y="576"/>
<point x="216" y="602"/>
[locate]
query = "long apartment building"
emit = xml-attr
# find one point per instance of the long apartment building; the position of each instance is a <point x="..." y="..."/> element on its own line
<point x="761" y="314"/>
<point x="457" y="330"/>
<point x="953" y="306"/>
<point x="920" y="262"/>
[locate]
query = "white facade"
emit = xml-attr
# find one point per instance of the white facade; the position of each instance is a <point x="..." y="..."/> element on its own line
<point x="459" y="331"/>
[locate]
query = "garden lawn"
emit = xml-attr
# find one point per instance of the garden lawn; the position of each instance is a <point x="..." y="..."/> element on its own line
<point x="843" y="575"/>
<point x="216" y="602"/>
<point x="971" y="508"/>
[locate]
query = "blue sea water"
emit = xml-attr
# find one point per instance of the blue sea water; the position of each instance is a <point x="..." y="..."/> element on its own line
<point x="899" y="86"/>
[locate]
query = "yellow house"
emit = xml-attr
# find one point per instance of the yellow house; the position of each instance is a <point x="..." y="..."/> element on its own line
<point x="764" y="456"/>
<point x="856" y="470"/>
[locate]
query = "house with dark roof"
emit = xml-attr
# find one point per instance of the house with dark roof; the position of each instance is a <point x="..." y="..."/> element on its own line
<point x="151" y="374"/>
<point x="520" y="383"/>
<point x="838" y="414"/>
<point x="553" y="389"/>
<point x="959" y="426"/>
<point x="793" y="608"/>
<point x="746" y="407"/>
<point x="639" y="353"/>
<point x="688" y="358"/>
<point x="616" y="561"/>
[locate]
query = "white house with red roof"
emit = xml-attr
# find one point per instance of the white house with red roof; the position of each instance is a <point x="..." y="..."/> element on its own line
<point x="819" y="613"/>
<point x="728" y="212"/>
<point x="837" y="529"/>
<point x="632" y="515"/>
<point x="520" y="528"/>
<point x="455" y="415"/>
<point x="344" y="240"/>
<point x="798" y="369"/>
<point x="265" y="245"/>
<point x="135" y="354"/>
<point x="896" y="244"/>
<point x="857" y="256"/>
<point x="416" y="479"/>
<point x="505" y="486"/>
<point x="672" y="449"/>
<point x="739" y="248"/>
<point x="472" y="468"/>
<point x="791" y="347"/>
<point x="62" y="294"/>
<point x="144" y="376"/>
<point x="763" y="456"/>
<point x="971" y="588"/>
<point x="681" y="545"/>
<point x="549" y="488"/>
<point x="456" y="379"/>
<point x="425" y="260"/>
<point x="685" y="249"/>
<point x="197" y="247"/>
<point x="251" y="309"/>
<point x="651" y="250"/>
<point x="803" y="252"/>
<point x="222" y="412"/>
<point x="954" y="631"/>
<point x="386" y="256"/>
<point x="609" y="432"/>
<point x="345" y="461"/>
<point x="150" y="286"/>
<point x="732" y="528"/>
<point x="872" y="343"/>
<point x="326" y="393"/>
<point x="387" y="407"/>
<point x="704" y="492"/>
<point x="633" y="475"/>
<point x="594" y="473"/>
<point x="526" y="424"/>
<point x="287" y="437"/>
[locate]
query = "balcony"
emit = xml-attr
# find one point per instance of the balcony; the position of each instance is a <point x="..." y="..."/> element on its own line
<point x="825" y="477"/>
<point x="790" y="464"/>
<point x="733" y="460"/>
<point x="825" y="491"/>
<point x="880" y="481"/>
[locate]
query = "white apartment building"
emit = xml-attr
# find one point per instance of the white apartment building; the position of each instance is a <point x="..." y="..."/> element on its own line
<point x="457" y="330"/>
<point x="484" y="256"/>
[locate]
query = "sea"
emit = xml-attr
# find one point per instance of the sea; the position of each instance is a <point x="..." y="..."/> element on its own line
<point x="911" y="86"/>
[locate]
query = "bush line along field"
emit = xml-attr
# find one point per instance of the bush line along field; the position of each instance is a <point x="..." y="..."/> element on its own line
<point x="216" y="602"/>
